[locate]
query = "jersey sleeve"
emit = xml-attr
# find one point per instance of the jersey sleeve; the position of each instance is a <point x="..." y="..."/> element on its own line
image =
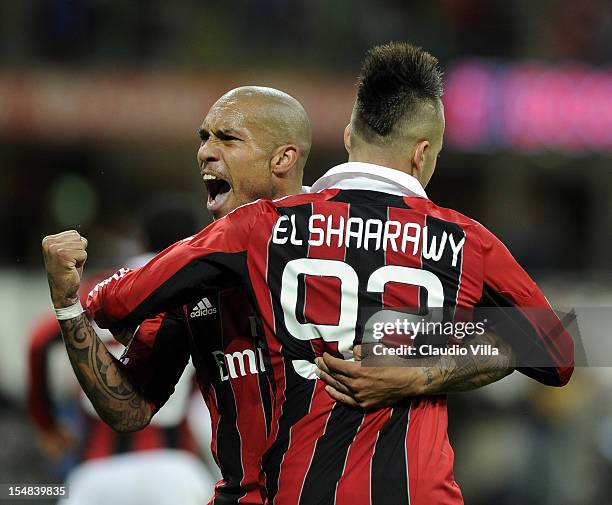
<point x="529" y="323"/>
<point x="214" y="258"/>
<point x="157" y="356"/>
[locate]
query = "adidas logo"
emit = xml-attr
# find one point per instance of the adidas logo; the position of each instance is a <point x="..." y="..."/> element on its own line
<point x="203" y="308"/>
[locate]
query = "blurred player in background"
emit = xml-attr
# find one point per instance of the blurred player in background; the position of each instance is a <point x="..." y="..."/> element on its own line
<point x="313" y="263"/>
<point x="69" y="429"/>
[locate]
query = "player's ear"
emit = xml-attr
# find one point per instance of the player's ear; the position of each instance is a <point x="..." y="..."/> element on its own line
<point x="418" y="158"/>
<point x="284" y="160"/>
<point x="347" y="137"/>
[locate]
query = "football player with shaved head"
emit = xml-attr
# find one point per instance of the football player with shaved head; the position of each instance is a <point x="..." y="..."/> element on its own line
<point x="254" y="144"/>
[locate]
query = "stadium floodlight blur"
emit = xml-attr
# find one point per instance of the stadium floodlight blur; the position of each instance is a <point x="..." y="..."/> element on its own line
<point x="528" y="107"/>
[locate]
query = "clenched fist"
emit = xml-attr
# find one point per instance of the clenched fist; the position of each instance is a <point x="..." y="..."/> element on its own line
<point x="64" y="256"/>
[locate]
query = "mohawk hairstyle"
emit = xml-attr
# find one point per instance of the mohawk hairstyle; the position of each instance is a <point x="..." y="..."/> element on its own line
<point x="394" y="79"/>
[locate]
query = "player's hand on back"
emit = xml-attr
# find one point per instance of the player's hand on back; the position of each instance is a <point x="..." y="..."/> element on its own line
<point x="64" y="255"/>
<point x="367" y="387"/>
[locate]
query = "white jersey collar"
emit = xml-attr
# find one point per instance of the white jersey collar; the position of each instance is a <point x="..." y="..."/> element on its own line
<point x="367" y="176"/>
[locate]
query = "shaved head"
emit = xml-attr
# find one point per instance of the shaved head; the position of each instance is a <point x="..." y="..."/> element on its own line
<point x="281" y="116"/>
<point x="254" y="144"/>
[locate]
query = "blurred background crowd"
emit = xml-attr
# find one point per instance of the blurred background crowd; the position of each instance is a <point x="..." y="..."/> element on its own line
<point x="100" y="99"/>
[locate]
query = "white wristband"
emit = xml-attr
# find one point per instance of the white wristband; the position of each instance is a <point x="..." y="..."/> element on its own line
<point x="69" y="312"/>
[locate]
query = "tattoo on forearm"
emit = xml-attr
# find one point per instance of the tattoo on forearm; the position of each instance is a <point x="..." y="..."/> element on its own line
<point x="463" y="373"/>
<point x="429" y="378"/>
<point x="114" y="397"/>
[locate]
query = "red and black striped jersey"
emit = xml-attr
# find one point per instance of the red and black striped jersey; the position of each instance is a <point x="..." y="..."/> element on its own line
<point x="218" y="330"/>
<point x="316" y="265"/>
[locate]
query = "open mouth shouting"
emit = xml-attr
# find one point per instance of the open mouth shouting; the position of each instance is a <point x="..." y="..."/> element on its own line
<point x="219" y="190"/>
